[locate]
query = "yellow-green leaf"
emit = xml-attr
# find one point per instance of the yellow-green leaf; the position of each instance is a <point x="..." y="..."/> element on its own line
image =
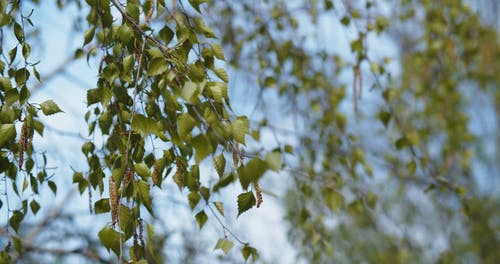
<point x="110" y="239"/>
<point x="185" y="123"/>
<point x="219" y="53"/>
<point x="240" y="127"/>
<point x="7" y="133"/>
<point x="142" y="170"/>
<point x="49" y="107"/>
<point x="220" y="207"/>
<point x="219" y="164"/>
<point x="273" y="160"/>
<point x="224" y="244"/>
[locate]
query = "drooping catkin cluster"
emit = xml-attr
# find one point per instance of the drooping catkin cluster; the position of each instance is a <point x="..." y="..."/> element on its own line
<point x="24" y="143"/>
<point x="128" y="176"/>
<point x="89" y="190"/>
<point x="155" y="176"/>
<point x="258" y="192"/>
<point x="139" y="240"/>
<point x="114" y="198"/>
<point x="141" y="232"/>
<point x="178" y="173"/>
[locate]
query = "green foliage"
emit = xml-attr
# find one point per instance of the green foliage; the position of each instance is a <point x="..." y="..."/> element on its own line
<point x="161" y="110"/>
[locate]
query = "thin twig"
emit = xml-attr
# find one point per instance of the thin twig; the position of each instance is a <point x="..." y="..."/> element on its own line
<point x="224" y="227"/>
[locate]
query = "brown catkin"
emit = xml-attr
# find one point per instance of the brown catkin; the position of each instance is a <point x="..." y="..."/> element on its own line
<point x="90" y="194"/>
<point x="258" y="192"/>
<point x="155" y="175"/>
<point x="135" y="245"/>
<point x="23" y="141"/>
<point x="128" y="176"/>
<point x="141" y="237"/>
<point x="114" y="198"/>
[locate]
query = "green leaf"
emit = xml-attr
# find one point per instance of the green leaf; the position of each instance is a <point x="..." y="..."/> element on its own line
<point x="128" y="63"/>
<point x="196" y="4"/>
<point x="193" y="199"/>
<point x="202" y="147"/>
<point x="219" y="53"/>
<point x="248" y="251"/>
<point x="93" y="96"/>
<point x="82" y="182"/>
<point x="245" y="202"/>
<point x="189" y="91"/>
<point x="252" y="171"/>
<point x="273" y="160"/>
<point x="142" y="170"/>
<point x="219" y="164"/>
<point x="5" y="84"/>
<point x="402" y="143"/>
<point x="166" y="34"/>
<point x="102" y="206"/>
<point x="7" y="133"/>
<point x="345" y="21"/>
<point x="39" y="127"/>
<point x="224" y="181"/>
<point x="124" y="34"/>
<point x="110" y="239"/>
<point x="11" y="96"/>
<point x="385" y="117"/>
<point x="133" y="10"/>
<point x="35" y="207"/>
<point x="201" y="218"/>
<point x="126" y="221"/>
<point x="15" y="220"/>
<point x="224" y="244"/>
<point x="185" y="123"/>
<point x="220" y="207"/>
<point x="411" y="166"/>
<point x="145" y="125"/>
<point x="205" y="193"/>
<point x="333" y="199"/>
<point x="157" y="66"/>
<point x="49" y="107"/>
<point x="217" y="90"/>
<point x="88" y="35"/>
<point x="19" y="32"/>
<point x="145" y="195"/>
<point x="192" y="179"/>
<point x="240" y="127"/>
<point x="52" y="186"/>
<point x="203" y="28"/>
<point x="222" y="74"/>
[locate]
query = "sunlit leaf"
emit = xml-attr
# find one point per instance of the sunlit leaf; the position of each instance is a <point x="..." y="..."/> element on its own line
<point x="241" y="127"/>
<point x="110" y="239"/>
<point x="224" y="244"/>
<point x="49" y="107"/>
<point x="220" y="207"/>
<point x="7" y="133"/>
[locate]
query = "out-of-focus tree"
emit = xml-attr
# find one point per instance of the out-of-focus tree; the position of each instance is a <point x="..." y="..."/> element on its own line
<point x="393" y="106"/>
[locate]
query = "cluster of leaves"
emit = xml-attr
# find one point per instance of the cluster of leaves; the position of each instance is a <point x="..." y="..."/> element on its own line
<point x="160" y="109"/>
